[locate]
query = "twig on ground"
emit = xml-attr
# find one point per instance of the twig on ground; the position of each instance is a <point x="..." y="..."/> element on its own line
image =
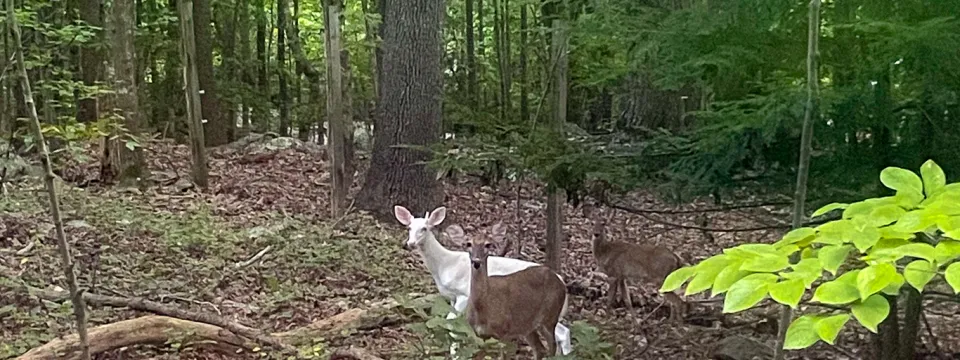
<point x="26" y="249"/>
<point x="254" y="258"/>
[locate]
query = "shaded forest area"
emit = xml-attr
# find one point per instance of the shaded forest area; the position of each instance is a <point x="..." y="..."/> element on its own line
<point x="216" y="179"/>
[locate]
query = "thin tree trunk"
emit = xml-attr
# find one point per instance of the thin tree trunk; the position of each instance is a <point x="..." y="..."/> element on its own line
<point x="263" y="84"/>
<point x="913" y="310"/>
<point x="338" y="190"/>
<point x="91" y="59"/>
<point x="123" y="54"/>
<point x="811" y="112"/>
<point x="409" y="110"/>
<point x="888" y="333"/>
<point x="283" y="97"/>
<point x="471" y="58"/>
<point x="555" y="195"/>
<point x="192" y="92"/>
<point x="217" y="130"/>
<point x="524" y="80"/>
<point x="370" y="36"/>
<point x="244" y="69"/>
<point x="481" y="54"/>
<point x="79" y="308"/>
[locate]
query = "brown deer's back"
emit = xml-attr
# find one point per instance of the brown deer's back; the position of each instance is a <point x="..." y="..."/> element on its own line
<point x="637" y="261"/>
<point x="506" y="310"/>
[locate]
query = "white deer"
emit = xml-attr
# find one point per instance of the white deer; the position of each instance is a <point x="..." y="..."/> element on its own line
<point x="451" y="269"/>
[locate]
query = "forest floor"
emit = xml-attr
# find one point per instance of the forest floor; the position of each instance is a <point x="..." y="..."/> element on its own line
<point x="173" y="244"/>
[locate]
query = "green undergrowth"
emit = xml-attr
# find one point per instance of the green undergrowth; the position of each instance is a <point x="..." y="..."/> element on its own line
<point x="183" y="252"/>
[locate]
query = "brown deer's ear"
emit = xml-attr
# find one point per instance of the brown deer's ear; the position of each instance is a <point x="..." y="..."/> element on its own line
<point x="455" y="233"/>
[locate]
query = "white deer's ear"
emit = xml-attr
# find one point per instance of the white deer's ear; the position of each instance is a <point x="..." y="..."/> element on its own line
<point x="499" y="231"/>
<point x="436" y="217"/>
<point x="455" y="234"/>
<point x="403" y="215"/>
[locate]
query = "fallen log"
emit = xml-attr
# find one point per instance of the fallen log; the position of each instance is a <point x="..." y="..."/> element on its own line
<point x="151" y="329"/>
<point x="219" y="334"/>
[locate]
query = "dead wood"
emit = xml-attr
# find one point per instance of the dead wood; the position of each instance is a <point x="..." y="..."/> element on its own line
<point x="353" y="353"/>
<point x="151" y="329"/>
<point x="212" y="331"/>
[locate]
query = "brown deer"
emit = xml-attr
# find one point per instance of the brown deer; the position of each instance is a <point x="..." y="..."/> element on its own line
<point x="525" y="304"/>
<point x="622" y="261"/>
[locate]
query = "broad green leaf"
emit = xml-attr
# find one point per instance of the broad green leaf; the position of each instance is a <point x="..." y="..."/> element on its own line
<point x="835" y="232"/>
<point x="893" y="289"/>
<point x="787" y="292"/>
<point x="871" y="312"/>
<point x="676" y="279"/>
<point x="864" y="236"/>
<point x="828" y="328"/>
<point x="919" y="250"/>
<point x="748" y="251"/>
<point x="828" y="208"/>
<point x="766" y="263"/>
<point x="918" y="273"/>
<point x="795" y="236"/>
<point x="865" y="207"/>
<point x="836" y="292"/>
<point x="949" y="224"/>
<point x="833" y="256"/>
<point x="747" y="292"/>
<point x="874" y="278"/>
<point x="727" y="277"/>
<point x="900" y="179"/>
<point x="949" y="206"/>
<point x="889" y="233"/>
<point x="947" y="250"/>
<point x="908" y="199"/>
<point x="807" y="270"/>
<point x="953" y="276"/>
<point x="917" y="221"/>
<point x="885" y="215"/>
<point x="707" y="271"/>
<point x="933" y="177"/>
<point x="801" y="334"/>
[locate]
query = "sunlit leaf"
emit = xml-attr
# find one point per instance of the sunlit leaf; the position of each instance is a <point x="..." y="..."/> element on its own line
<point x="871" y="312"/>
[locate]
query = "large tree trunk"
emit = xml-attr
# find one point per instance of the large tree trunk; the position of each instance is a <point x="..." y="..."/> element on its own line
<point x="260" y="114"/>
<point x="188" y="57"/>
<point x="91" y="58"/>
<point x="337" y="148"/>
<point x="218" y="129"/>
<point x="129" y="162"/>
<point x="409" y="110"/>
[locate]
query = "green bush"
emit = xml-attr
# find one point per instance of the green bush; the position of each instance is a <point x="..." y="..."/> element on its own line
<point x="881" y="243"/>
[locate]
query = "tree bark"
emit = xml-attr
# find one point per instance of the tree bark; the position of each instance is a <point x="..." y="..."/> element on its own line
<point x="79" y="308"/>
<point x="283" y="97"/>
<point x="524" y="87"/>
<point x="188" y="56"/>
<point x="260" y="115"/>
<point x="130" y="163"/>
<point x="335" y="119"/>
<point x="811" y="112"/>
<point x="913" y="310"/>
<point x="218" y="129"/>
<point x="409" y="110"/>
<point x="471" y="58"/>
<point x="91" y="59"/>
<point x="554" y="194"/>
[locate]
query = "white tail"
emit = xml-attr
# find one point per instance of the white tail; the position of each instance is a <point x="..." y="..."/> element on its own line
<point x="523" y="305"/>
<point x="451" y="269"/>
<point x="625" y="261"/>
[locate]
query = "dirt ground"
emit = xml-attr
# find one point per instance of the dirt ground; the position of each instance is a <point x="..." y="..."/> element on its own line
<point x="172" y="244"/>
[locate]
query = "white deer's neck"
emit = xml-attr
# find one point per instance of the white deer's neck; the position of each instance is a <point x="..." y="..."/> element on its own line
<point x="435" y="256"/>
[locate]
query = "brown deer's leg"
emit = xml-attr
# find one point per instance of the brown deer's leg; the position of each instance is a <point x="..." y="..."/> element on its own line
<point x="551" y="339"/>
<point x="534" y="341"/>
<point x="626" y="294"/>
<point x="612" y="295"/>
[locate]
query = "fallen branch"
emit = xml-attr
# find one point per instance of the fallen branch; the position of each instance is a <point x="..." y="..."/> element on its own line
<point x="634" y="210"/>
<point x="355" y="354"/>
<point x="225" y="336"/>
<point x="255" y="258"/>
<point x="151" y="329"/>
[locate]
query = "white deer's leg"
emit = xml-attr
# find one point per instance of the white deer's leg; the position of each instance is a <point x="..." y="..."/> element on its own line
<point x="459" y="304"/>
<point x="562" y="334"/>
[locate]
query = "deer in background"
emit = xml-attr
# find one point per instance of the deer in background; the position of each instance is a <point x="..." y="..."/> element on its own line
<point x="622" y="261"/>
<point x="451" y="270"/>
<point x="525" y="304"/>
